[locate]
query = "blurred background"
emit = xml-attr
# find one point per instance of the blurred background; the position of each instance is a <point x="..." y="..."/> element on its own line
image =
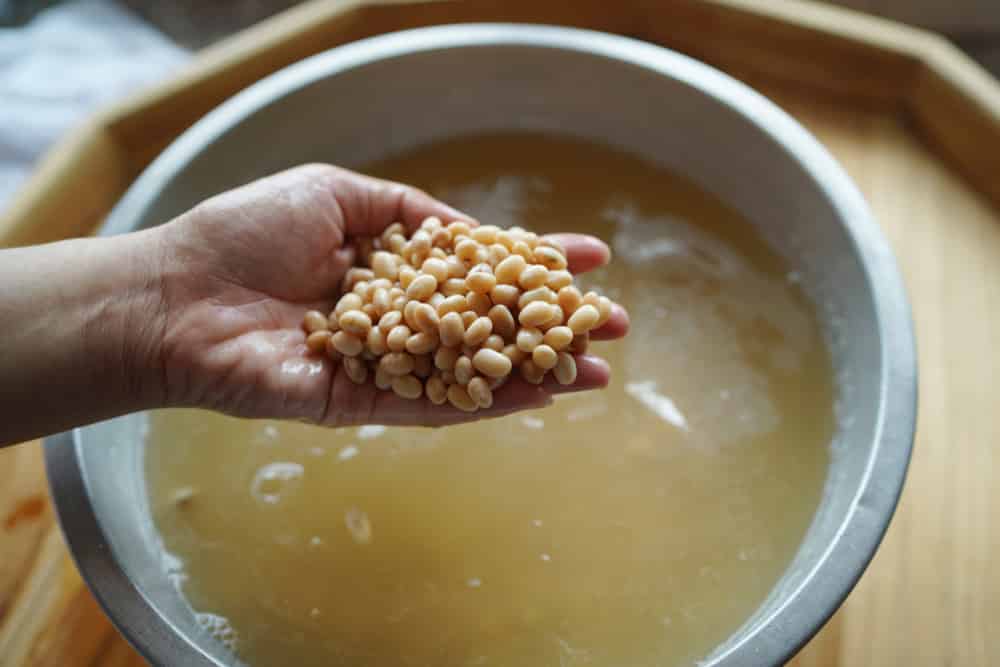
<point x="61" y="59"/>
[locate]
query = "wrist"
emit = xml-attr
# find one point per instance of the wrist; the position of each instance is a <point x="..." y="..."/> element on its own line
<point x="125" y="328"/>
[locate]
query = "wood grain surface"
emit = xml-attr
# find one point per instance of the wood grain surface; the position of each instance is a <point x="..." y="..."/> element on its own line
<point x="930" y="597"/>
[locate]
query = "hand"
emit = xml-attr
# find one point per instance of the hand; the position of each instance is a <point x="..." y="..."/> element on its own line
<point x="239" y="271"/>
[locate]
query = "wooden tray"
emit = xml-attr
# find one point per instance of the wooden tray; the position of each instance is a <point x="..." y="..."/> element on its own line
<point x="915" y="123"/>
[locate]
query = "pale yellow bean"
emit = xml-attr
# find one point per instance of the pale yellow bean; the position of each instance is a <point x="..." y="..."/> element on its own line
<point x="397" y="363"/>
<point x="559" y="279"/>
<point x="439" y="253"/>
<point x="454" y="287"/>
<point x="346" y="344"/>
<point x="436" y="390"/>
<point x="407" y="386"/>
<point x="556" y="320"/>
<point x="355" y="322"/>
<point x="314" y="321"/>
<point x="468" y="317"/>
<point x="383" y="378"/>
<point x="479" y="303"/>
<point x="356" y="275"/>
<point x="549" y="242"/>
<point x="420" y="241"/>
<point x="505" y="295"/>
<point x="333" y="322"/>
<point x="550" y="258"/>
<point x="455" y="303"/>
<point x="515" y="354"/>
<point x="407" y="274"/>
<point x="569" y="299"/>
<point x="463" y="370"/>
<point x="356" y="370"/>
<point x="592" y="298"/>
<point x="538" y="294"/>
<point x="380" y="283"/>
<point x="584" y="319"/>
<point x="533" y="276"/>
<point x="456" y="269"/>
<point x="528" y="339"/>
<point x="422" y="287"/>
<point x="479" y="391"/>
<point x="396" y="243"/>
<point x="384" y="266"/>
<point x="445" y="358"/>
<point x="466" y="250"/>
<point x="436" y="300"/>
<point x="421" y="343"/>
<point x="509" y="270"/>
<point x="361" y="289"/>
<point x="451" y="329"/>
<point x="459" y="397"/>
<point x="496" y="253"/>
<point x="537" y="312"/>
<point x="410" y="314"/>
<point x="394" y="228"/>
<point x="437" y="268"/>
<point x="399" y="303"/>
<point x="375" y="341"/>
<point x="604" y="308"/>
<point x="480" y="282"/>
<point x="565" y="370"/>
<point x="531" y="373"/>
<point x="349" y="301"/>
<point x="494" y="342"/>
<point x="331" y="350"/>
<point x="431" y="223"/>
<point x="396" y="339"/>
<point x="381" y="301"/>
<point x="441" y="238"/>
<point x="558" y="337"/>
<point x="544" y="357"/>
<point x="503" y="321"/>
<point x="478" y="331"/>
<point x="369" y="310"/>
<point x="491" y="363"/>
<point x="485" y="234"/>
<point x="524" y="250"/>
<point x="458" y="227"/>
<point x="426" y="319"/>
<point x="531" y="238"/>
<point x="316" y="341"/>
<point x="390" y="319"/>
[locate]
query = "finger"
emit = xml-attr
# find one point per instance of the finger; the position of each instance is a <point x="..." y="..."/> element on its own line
<point x="617" y="325"/>
<point x="584" y="253"/>
<point x="370" y="204"/>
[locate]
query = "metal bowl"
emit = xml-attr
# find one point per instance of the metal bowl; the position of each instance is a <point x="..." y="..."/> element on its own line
<point x="374" y="98"/>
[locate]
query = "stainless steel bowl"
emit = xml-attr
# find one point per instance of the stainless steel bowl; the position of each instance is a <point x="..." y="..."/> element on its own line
<point x="373" y="98"/>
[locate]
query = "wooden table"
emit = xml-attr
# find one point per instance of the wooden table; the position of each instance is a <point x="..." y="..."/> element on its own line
<point x="915" y="124"/>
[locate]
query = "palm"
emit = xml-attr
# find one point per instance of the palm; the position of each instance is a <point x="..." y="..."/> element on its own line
<point x="248" y="263"/>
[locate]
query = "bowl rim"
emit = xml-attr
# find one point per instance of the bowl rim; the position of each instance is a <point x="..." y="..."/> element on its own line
<point x="778" y="635"/>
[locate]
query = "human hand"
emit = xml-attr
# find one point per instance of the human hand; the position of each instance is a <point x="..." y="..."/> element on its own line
<point x="237" y="272"/>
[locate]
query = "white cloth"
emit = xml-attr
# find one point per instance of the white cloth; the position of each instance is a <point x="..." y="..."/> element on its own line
<point x="68" y="61"/>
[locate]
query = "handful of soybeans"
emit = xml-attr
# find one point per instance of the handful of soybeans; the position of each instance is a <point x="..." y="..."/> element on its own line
<point x="452" y="310"/>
